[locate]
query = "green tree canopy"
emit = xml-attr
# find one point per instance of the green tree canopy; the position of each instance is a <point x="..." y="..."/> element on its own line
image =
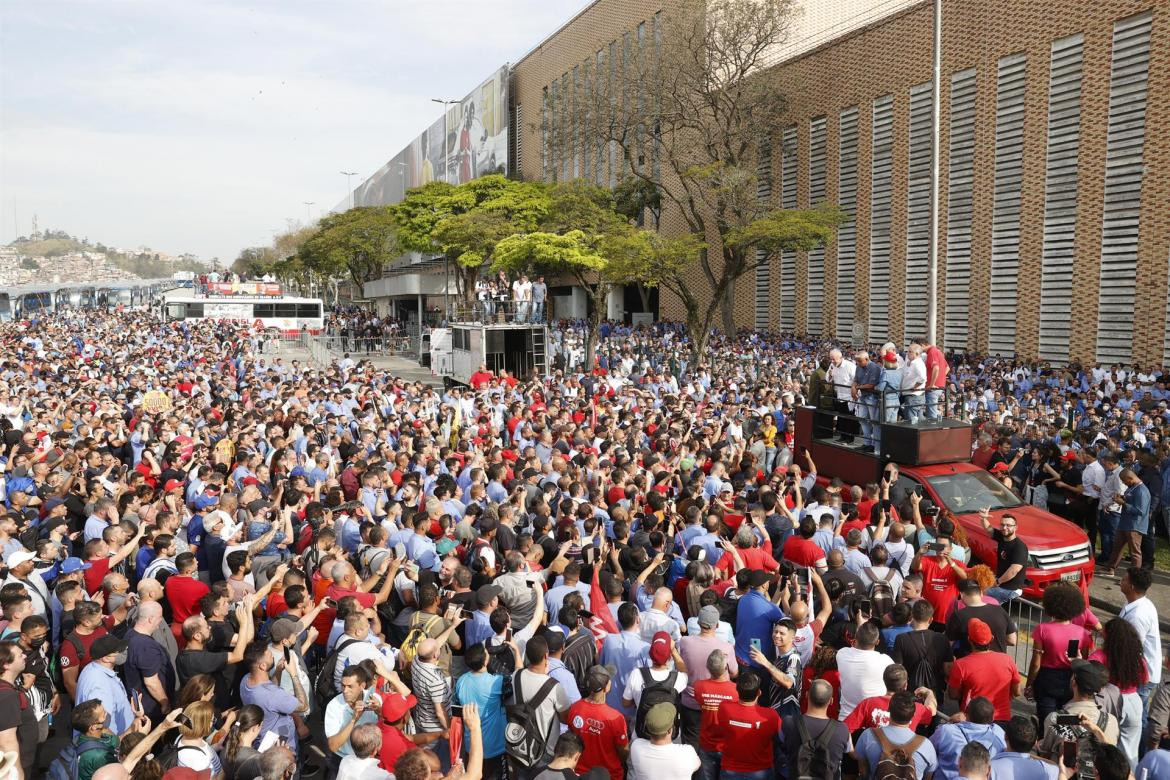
<point x="357" y="243"/>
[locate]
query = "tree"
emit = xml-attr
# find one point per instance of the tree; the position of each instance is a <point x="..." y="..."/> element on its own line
<point x="465" y="222"/>
<point x="689" y="112"/>
<point x="582" y="236"/>
<point x="29" y="264"/>
<point x="254" y="261"/>
<point x="357" y="243"/>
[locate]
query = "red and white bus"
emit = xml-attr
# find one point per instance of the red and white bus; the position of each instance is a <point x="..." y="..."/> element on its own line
<point x="288" y="314"/>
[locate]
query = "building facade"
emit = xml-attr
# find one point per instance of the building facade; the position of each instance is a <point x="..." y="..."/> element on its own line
<point x="1054" y="169"/>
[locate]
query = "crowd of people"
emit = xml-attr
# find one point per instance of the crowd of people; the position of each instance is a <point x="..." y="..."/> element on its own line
<point x="221" y="564"/>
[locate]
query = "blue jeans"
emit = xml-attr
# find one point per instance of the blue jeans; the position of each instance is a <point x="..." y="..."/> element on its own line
<point x="763" y="774"/>
<point x="1003" y="595"/>
<point x="1106" y="529"/>
<point x="867" y="410"/>
<point x="538" y="311"/>
<point x="1145" y="690"/>
<point x="442" y="748"/>
<point x="934" y="400"/>
<point x="913" y="405"/>
<point x="709" y="762"/>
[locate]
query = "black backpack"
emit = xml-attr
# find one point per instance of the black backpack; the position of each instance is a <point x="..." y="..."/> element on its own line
<point x="655" y="692"/>
<point x="523" y="741"/>
<point x="324" y="689"/>
<point x="922" y="675"/>
<point x="812" y="757"/>
<point x="881" y="593"/>
<point x="1086" y="742"/>
<point x="168" y="756"/>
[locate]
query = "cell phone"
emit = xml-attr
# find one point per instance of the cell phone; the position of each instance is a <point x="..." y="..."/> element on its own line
<point x="865" y="606"/>
<point x="329" y="602"/>
<point x="1068" y="750"/>
<point x="456" y="710"/>
<point x="755" y="643"/>
<point x="508" y="634"/>
<point x="1074" y="646"/>
<point x="936" y="547"/>
<point x="185" y="721"/>
<point x="1068" y="720"/>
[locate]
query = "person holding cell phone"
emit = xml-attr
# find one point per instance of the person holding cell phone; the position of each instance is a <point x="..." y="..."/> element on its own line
<point x="1080" y="719"/>
<point x="1056" y="643"/>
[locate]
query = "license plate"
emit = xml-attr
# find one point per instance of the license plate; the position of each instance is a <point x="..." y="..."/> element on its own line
<point x="1071" y="576"/>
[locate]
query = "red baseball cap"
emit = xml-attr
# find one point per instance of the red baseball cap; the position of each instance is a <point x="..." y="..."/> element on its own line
<point x="172" y="484"/>
<point x="1000" y="468"/>
<point x="979" y="632"/>
<point x="660" y="648"/>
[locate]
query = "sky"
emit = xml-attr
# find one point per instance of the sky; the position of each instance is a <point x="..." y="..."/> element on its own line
<point x="204" y="126"/>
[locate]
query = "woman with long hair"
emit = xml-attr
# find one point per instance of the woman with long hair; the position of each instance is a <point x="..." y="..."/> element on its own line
<point x="1121" y="653"/>
<point x="240" y="758"/>
<point x="823" y="666"/>
<point x="193" y="750"/>
<point x="1050" y="670"/>
<point x="201" y="687"/>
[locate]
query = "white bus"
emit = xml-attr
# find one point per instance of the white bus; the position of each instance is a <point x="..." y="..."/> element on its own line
<point x="285" y="313"/>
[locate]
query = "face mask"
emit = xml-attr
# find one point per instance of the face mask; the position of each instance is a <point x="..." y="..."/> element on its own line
<point x="120" y="658"/>
<point x="36" y="643"/>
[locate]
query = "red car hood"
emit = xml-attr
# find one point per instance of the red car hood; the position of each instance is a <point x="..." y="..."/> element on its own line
<point x="1039" y="530"/>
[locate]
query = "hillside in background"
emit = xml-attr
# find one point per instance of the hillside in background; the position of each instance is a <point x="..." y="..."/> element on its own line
<point x="142" y="262"/>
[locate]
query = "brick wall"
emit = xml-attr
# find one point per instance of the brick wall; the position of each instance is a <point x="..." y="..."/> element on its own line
<point x="889" y="58"/>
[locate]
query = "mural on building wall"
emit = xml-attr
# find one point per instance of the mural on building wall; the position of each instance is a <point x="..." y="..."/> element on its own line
<point x="476" y="144"/>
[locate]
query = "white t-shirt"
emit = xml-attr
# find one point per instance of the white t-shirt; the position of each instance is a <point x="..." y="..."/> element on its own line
<point x="556" y="702"/>
<point x="635" y="683"/>
<point x="861" y="676"/>
<point x="354" y="654"/>
<point x="661" y="762"/>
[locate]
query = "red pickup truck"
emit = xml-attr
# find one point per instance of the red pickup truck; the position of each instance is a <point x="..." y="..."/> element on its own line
<point x="934" y="459"/>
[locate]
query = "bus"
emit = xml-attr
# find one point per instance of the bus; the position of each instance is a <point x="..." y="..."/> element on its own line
<point x="287" y="314"/>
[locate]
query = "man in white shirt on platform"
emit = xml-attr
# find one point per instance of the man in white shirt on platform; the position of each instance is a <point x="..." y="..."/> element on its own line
<point x="841" y="374"/>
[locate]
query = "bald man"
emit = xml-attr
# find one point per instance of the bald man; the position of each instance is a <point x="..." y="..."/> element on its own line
<point x="151" y="590"/>
<point x="657" y="618"/>
<point x="148" y="668"/>
<point x="431" y="687"/>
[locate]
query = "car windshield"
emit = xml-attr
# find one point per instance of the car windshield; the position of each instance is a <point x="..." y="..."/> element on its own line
<point x="970" y="491"/>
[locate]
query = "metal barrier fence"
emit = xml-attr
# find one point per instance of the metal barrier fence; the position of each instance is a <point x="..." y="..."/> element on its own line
<point x="1026" y="615"/>
<point x="501" y="312"/>
<point x="368" y="345"/>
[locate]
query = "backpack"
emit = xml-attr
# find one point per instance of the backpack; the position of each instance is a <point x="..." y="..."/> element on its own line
<point x="414" y="637"/>
<point x="66" y="766"/>
<point x="168" y="756"/>
<point x="812" y="757"/>
<point x="501" y="661"/>
<point x="324" y="688"/>
<point x="923" y="674"/>
<point x="881" y="593"/>
<point x="655" y="692"/>
<point x="523" y="741"/>
<point x="1086" y="743"/>
<point x="897" y="761"/>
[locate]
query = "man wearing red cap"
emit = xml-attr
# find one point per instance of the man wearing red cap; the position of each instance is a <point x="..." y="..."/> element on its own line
<point x="985" y="672"/>
<point x="396" y="707"/>
<point x="658" y="676"/>
<point x="889" y="393"/>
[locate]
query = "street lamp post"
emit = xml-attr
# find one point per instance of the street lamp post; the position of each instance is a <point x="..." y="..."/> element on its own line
<point x="348" y="175"/>
<point x="446" y="178"/>
<point x="309" y="210"/>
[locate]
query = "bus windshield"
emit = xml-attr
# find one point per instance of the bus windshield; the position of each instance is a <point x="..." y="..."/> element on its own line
<point x="970" y="491"/>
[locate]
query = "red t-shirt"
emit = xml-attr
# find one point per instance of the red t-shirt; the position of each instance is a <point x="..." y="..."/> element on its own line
<point x="394" y="742"/>
<point x="875" y="711"/>
<point x="934" y="357"/>
<point x="753" y="558"/>
<point x="69" y="652"/>
<point x="275" y="605"/>
<point x="751" y="729"/>
<point x="94" y="575"/>
<point x="940" y="586"/>
<point x="710" y="694"/>
<point x="987" y="674"/>
<point x="803" y="552"/>
<point x="184" y="594"/>
<point x="602" y="730"/>
<point x="833" y="678"/>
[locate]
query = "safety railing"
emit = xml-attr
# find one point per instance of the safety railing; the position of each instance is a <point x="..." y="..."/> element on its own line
<point x="1026" y="615"/>
<point x="367" y="345"/>
<point x="500" y="312"/>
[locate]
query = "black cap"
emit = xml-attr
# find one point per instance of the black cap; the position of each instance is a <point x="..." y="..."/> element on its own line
<point x="760" y="577"/>
<point x="107" y="645"/>
<point x="486" y="593"/>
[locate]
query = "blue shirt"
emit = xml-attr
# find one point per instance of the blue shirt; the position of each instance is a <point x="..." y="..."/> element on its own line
<point x="753" y="620"/>
<point x="98" y="682"/>
<point x="278" y="705"/>
<point x="1021" y="766"/>
<point x="626" y="651"/>
<point x="1135" y="512"/>
<point x="559" y="672"/>
<point x="478" y="629"/>
<point x="950" y="739"/>
<point x="870" y="750"/>
<point x="1156" y="763"/>
<point x="487" y="692"/>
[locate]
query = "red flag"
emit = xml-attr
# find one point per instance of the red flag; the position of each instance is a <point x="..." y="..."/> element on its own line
<point x="456" y="740"/>
<point x="602" y="617"/>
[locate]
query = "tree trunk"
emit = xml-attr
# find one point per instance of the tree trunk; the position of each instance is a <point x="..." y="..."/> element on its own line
<point x="644" y="294"/>
<point x="727" y="313"/>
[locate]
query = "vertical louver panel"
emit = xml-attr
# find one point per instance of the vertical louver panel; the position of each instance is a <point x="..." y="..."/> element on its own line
<point x="566" y="145"/>
<point x="817" y="181"/>
<point x="516" y="133"/>
<point x="764" y="265"/>
<point x="1011" y="79"/>
<point x="545" y="126"/>
<point x="918" y="236"/>
<point x="847" y="232"/>
<point x="587" y="130"/>
<point x="575" y="131"/>
<point x="788" y="168"/>
<point x="599" y="120"/>
<point x="1060" y="197"/>
<point x="554" y="132"/>
<point x="881" y="208"/>
<point x="1124" y="146"/>
<point x="613" y="98"/>
<point x="960" y="192"/>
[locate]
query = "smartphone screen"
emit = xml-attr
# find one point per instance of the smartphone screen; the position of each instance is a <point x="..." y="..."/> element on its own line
<point x="755" y="643"/>
<point x="1068" y="720"/>
<point x="1074" y="648"/>
<point x="865" y="606"/>
<point x="1068" y="754"/>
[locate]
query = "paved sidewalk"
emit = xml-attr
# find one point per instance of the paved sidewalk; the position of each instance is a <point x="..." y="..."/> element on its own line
<point x="1106" y="598"/>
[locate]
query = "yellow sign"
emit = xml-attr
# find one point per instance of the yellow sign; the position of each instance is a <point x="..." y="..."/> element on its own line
<point x="157" y="401"/>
